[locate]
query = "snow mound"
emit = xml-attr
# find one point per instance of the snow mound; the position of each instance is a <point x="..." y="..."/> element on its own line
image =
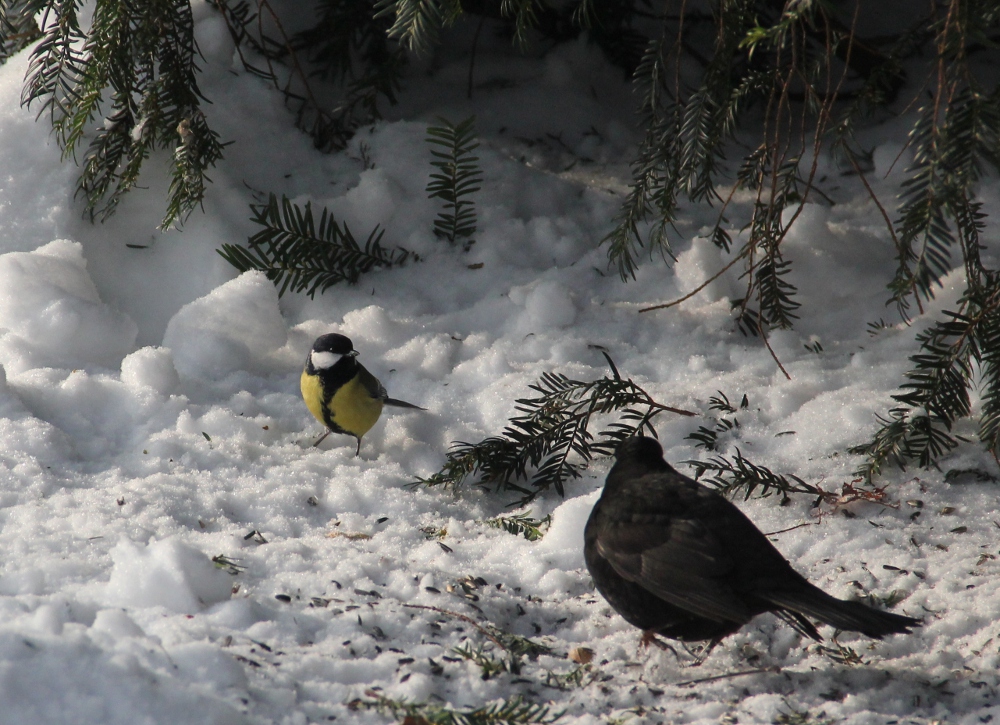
<point x="51" y="314"/>
<point x="233" y="327"/>
<point x="166" y="573"/>
<point x="151" y="367"/>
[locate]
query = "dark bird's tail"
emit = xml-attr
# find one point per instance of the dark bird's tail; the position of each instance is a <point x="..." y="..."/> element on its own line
<point x="401" y="404"/>
<point x="851" y="616"/>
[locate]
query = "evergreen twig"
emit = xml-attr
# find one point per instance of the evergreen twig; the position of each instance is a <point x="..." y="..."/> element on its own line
<point x="299" y="256"/>
<point x="521" y="525"/>
<point x="938" y="388"/>
<point x="514" y="711"/>
<point x="537" y="447"/>
<point x="458" y="177"/>
<point x="135" y="65"/>
<point x="735" y="475"/>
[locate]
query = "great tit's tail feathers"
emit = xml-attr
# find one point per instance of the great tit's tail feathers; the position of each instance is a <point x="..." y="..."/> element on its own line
<point x="401" y="404"/>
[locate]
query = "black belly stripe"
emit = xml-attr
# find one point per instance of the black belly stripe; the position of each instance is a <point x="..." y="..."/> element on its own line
<point x="333" y="379"/>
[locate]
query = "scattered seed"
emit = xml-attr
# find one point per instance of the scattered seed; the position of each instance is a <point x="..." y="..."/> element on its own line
<point x="349" y="535"/>
<point x="581" y="655"/>
<point x="283" y="598"/>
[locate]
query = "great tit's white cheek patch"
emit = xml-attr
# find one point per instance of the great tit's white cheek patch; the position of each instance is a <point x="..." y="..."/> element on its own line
<point x="324" y="360"/>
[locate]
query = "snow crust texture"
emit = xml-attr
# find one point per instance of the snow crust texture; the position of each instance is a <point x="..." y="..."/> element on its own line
<point x="150" y="421"/>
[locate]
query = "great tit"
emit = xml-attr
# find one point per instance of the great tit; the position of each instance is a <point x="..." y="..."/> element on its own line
<point x="340" y="392"/>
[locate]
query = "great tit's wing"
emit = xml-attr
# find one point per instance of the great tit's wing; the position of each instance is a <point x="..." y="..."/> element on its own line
<point x="378" y="391"/>
<point x="371" y="384"/>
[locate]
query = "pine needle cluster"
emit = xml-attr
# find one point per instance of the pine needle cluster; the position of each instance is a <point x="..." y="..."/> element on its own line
<point x="551" y="442"/>
<point x="458" y="176"/>
<point x="297" y="255"/>
<point x="334" y="75"/>
<point x="803" y="70"/>
<point x="120" y="86"/>
<point x="514" y="711"/>
<point x="955" y="354"/>
<point x="18" y="28"/>
<point x="735" y="475"/>
<point x="514" y="648"/>
<point x="521" y="525"/>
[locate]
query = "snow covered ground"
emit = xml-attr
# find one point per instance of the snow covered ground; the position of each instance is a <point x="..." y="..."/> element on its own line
<point x="150" y="420"/>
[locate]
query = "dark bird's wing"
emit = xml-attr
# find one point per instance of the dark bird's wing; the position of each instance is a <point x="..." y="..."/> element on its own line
<point x="677" y="559"/>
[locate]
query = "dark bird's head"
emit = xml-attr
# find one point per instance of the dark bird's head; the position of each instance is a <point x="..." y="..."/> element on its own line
<point x="328" y="350"/>
<point x="642" y="453"/>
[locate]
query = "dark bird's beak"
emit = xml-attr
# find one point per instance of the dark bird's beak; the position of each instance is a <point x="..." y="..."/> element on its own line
<point x="352" y="353"/>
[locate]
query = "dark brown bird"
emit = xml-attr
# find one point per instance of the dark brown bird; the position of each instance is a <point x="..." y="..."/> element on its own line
<point x="677" y="559"/>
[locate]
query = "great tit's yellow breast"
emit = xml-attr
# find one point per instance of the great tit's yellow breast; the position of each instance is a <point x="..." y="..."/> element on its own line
<point x="353" y="408"/>
<point x="312" y="394"/>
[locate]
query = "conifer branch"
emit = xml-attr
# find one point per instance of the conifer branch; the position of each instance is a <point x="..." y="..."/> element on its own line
<point x="18" y="28"/>
<point x="514" y="711"/>
<point x="417" y="24"/>
<point x="458" y="177"/>
<point x="297" y="255"/>
<point x="732" y="476"/>
<point x="521" y="525"/>
<point x="136" y="65"/>
<point x="551" y="442"/>
<point x="938" y="388"/>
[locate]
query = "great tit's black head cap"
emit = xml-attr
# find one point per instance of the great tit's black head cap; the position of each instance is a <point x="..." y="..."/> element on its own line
<point x="333" y="343"/>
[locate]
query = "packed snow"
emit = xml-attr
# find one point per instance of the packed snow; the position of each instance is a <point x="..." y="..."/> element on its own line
<point x="150" y="421"/>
